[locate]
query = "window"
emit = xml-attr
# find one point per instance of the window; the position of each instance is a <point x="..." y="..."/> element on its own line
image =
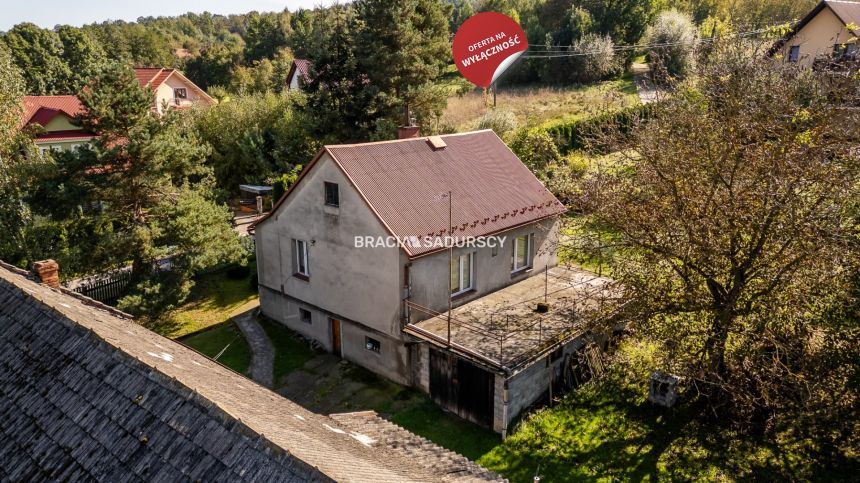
<point x="522" y="253"/>
<point x="305" y="316"/>
<point x="844" y="51"/>
<point x="794" y="53"/>
<point x="332" y="194"/>
<point x="371" y="344"/>
<point x="180" y="93"/>
<point x="494" y="251"/>
<point x="462" y="269"/>
<point x="300" y="258"/>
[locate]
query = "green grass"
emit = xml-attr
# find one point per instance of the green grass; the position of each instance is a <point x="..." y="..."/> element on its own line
<point x="213" y="341"/>
<point x="533" y="105"/>
<point x="291" y="352"/>
<point x="606" y="431"/>
<point x="213" y="300"/>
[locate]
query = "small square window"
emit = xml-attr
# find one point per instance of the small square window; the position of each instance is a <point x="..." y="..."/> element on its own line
<point x="306" y="316"/>
<point x="371" y="344"/>
<point x="180" y="93"/>
<point x="332" y="194"/>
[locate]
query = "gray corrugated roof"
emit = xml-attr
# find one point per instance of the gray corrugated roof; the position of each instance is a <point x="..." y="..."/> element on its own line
<point x="87" y="394"/>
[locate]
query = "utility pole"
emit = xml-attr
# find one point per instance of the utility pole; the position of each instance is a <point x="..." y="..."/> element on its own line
<point x="494" y="95"/>
<point x="450" y="260"/>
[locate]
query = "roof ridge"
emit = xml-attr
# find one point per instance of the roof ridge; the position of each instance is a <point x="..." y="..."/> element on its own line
<point x="391" y="141"/>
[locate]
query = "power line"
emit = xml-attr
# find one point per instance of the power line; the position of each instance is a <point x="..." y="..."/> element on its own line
<point x="552" y="52"/>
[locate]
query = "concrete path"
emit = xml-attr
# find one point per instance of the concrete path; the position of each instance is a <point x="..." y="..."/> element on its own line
<point x="262" y="351"/>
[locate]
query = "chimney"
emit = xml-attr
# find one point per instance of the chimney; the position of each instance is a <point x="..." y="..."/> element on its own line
<point x="407" y="132"/>
<point x="48" y="272"/>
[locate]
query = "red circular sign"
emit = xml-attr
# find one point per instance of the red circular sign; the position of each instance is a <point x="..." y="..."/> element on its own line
<point x="486" y="45"/>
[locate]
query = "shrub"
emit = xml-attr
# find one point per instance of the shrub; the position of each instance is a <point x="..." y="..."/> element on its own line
<point x="282" y="183"/>
<point x="678" y="35"/>
<point x="535" y="147"/>
<point x="597" y="62"/>
<point x="499" y="120"/>
<point x="588" y="133"/>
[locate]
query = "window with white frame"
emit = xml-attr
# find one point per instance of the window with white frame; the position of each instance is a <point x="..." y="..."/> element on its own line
<point x="462" y="273"/>
<point x="521" y="258"/>
<point x="300" y="258"/>
<point x="180" y="93"/>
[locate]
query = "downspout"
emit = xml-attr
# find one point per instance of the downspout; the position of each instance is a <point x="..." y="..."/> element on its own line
<point x="505" y="397"/>
<point x="407" y="294"/>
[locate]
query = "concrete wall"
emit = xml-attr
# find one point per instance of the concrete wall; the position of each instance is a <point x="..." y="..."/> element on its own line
<point x="818" y="37"/>
<point x="527" y="386"/>
<point x="360" y="284"/>
<point x="429" y="275"/>
<point x="393" y="360"/>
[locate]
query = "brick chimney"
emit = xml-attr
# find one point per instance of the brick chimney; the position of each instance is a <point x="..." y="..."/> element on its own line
<point x="407" y="132"/>
<point x="48" y="272"/>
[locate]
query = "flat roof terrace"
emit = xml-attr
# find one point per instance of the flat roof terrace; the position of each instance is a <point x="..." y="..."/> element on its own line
<point x="506" y="330"/>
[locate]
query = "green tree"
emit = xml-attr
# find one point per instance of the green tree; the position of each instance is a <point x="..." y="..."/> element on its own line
<point x="402" y="48"/>
<point x="678" y="36"/>
<point x="624" y="21"/>
<point x="149" y="175"/>
<point x="265" y="34"/>
<point x="38" y="54"/>
<point x="734" y="207"/>
<point x="83" y="55"/>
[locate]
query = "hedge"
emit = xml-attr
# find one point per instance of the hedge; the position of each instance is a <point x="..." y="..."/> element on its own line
<point x="575" y="134"/>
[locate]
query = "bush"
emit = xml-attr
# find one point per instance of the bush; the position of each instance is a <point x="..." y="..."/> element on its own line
<point x="598" y="62"/>
<point x="535" y="147"/>
<point x="675" y="60"/>
<point x="238" y="272"/>
<point x="499" y="120"/>
<point x="282" y="183"/>
<point x="586" y="134"/>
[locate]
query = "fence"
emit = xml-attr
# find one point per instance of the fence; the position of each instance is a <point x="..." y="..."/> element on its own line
<point x="107" y="288"/>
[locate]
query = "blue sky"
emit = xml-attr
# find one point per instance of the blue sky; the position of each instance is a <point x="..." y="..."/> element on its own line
<point x="47" y="13"/>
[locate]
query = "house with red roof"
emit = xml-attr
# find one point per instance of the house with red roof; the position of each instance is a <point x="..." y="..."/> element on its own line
<point x="55" y="114"/>
<point x="172" y="89"/>
<point x="299" y="74"/>
<point x="432" y="261"/>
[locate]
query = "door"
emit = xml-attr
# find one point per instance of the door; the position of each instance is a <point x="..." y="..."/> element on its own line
<point x="462" y="387"/>
<point x="335" y="336"/>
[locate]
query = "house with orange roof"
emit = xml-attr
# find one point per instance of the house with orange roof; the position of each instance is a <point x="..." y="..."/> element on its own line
<point x="55" y="114"/>
<point x="172" y="89"/>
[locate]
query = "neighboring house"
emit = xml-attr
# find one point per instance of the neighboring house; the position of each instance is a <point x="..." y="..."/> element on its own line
<point x="55" y="114"/>
<point x="829" y="31"/>
<point x="88" y="394"/>
<point x="299" y="74"/>
<point x="385" y="307"/>
<point x="172" y="89"/>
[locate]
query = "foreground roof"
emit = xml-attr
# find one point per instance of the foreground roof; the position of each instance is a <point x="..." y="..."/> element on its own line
<point x="86" y="393"/>
<point x="405" y="182"/>
<point x="42" y="109"/>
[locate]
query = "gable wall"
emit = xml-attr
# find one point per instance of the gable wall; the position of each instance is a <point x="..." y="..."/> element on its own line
<point x="360" y="284"/>
<point x="818" y="37"/>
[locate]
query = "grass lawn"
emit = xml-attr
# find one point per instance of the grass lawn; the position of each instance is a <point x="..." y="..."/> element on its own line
<point x="536" y="105"/>
<point x="607" y="431"/>
<point x="213" y="300"/>
<point x="213" y="341"/>
<point x="291" y="352"/>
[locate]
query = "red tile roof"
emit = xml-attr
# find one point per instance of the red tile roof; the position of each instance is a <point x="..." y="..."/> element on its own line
<point x="405" y="182"/>
<point x="68" y="135"/>
<point x="152" y="76"/>
<point x="300" y="67"/>
<point x="41" y="109"/>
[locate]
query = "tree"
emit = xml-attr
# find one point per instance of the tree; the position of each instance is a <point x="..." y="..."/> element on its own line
<point x="677" y="37"/>
<point x="265" y="34"/>
<point x="82" y="54"/>
<point x="402" y="47"/>
<point x="624" y="21"/>
<point x="38" y="54"/>
<point x="732" y="205"/>
<point x="147" y="172"/>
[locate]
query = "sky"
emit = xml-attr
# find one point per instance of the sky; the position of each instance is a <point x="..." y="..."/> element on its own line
<point x="48" y="13"/>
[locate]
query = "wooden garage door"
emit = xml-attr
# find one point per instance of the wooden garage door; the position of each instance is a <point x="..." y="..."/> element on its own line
<point x="462" y="387"/>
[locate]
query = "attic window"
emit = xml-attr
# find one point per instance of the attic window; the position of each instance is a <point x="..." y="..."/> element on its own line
<point x="332" y="194"/>
<point x="180" y="93"/>
<point x="436" y="143"/>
